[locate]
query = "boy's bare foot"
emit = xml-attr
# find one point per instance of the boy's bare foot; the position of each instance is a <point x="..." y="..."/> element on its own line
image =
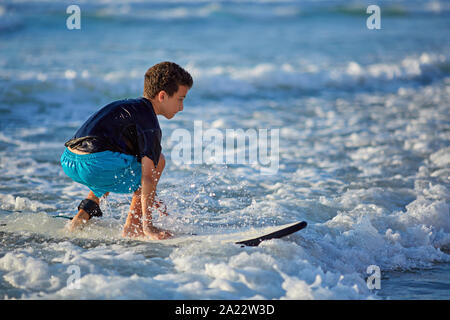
<point x="78" y="221"/>
<point x="132" y="232"/>
<point x="154" y="233"/>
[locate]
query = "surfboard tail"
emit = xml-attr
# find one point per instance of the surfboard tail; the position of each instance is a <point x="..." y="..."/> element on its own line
<point x="283" y="232"/>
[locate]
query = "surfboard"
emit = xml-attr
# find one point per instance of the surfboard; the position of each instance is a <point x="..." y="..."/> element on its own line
<point x="281" y="232"/>
<point x="252" y="237"/>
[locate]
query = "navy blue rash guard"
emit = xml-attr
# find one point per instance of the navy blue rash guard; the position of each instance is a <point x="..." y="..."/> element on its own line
<point x="128" y="126"/>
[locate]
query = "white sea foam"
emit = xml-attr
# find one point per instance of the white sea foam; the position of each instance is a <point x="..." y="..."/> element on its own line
<point x="10" y="203"/>
<point x="24" y="271"/>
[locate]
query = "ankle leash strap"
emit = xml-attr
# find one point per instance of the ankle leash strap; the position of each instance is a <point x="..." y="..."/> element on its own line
<point x="91" y="207"/>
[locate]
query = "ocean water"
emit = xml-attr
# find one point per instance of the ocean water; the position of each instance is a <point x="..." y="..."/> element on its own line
<point x="364" y="149"/>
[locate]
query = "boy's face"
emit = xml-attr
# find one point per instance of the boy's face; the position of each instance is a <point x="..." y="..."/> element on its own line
<point x="172" y="105"/>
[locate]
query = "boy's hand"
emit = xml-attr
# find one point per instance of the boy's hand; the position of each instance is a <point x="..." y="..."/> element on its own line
<point x="155" y="233"/>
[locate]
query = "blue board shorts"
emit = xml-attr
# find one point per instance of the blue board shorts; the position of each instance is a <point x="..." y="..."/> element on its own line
<point x="104" y="171"/>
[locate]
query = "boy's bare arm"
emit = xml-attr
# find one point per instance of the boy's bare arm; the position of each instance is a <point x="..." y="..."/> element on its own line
<point x="148" y="191"/>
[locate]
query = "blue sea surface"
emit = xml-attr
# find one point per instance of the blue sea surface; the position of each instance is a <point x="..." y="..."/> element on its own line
<point x="363" y="152"/>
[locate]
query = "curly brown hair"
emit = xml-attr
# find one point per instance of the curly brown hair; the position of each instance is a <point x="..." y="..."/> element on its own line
<point x="165" y="76"/>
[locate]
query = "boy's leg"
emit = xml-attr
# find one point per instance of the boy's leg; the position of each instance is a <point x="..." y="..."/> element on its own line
<point x="133" y="225"/>
<point x="82" y="216"/>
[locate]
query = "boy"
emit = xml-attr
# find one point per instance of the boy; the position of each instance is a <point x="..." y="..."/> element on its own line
<point x="118" y="149"/>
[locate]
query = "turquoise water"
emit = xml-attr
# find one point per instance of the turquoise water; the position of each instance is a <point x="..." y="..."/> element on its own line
<point x="364" y="148"/>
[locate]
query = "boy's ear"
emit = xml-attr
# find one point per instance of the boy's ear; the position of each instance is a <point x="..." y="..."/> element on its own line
<point x="161" y="95"/>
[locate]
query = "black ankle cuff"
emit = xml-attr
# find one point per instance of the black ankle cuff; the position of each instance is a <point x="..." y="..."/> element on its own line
<point x="91" y="207"/>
